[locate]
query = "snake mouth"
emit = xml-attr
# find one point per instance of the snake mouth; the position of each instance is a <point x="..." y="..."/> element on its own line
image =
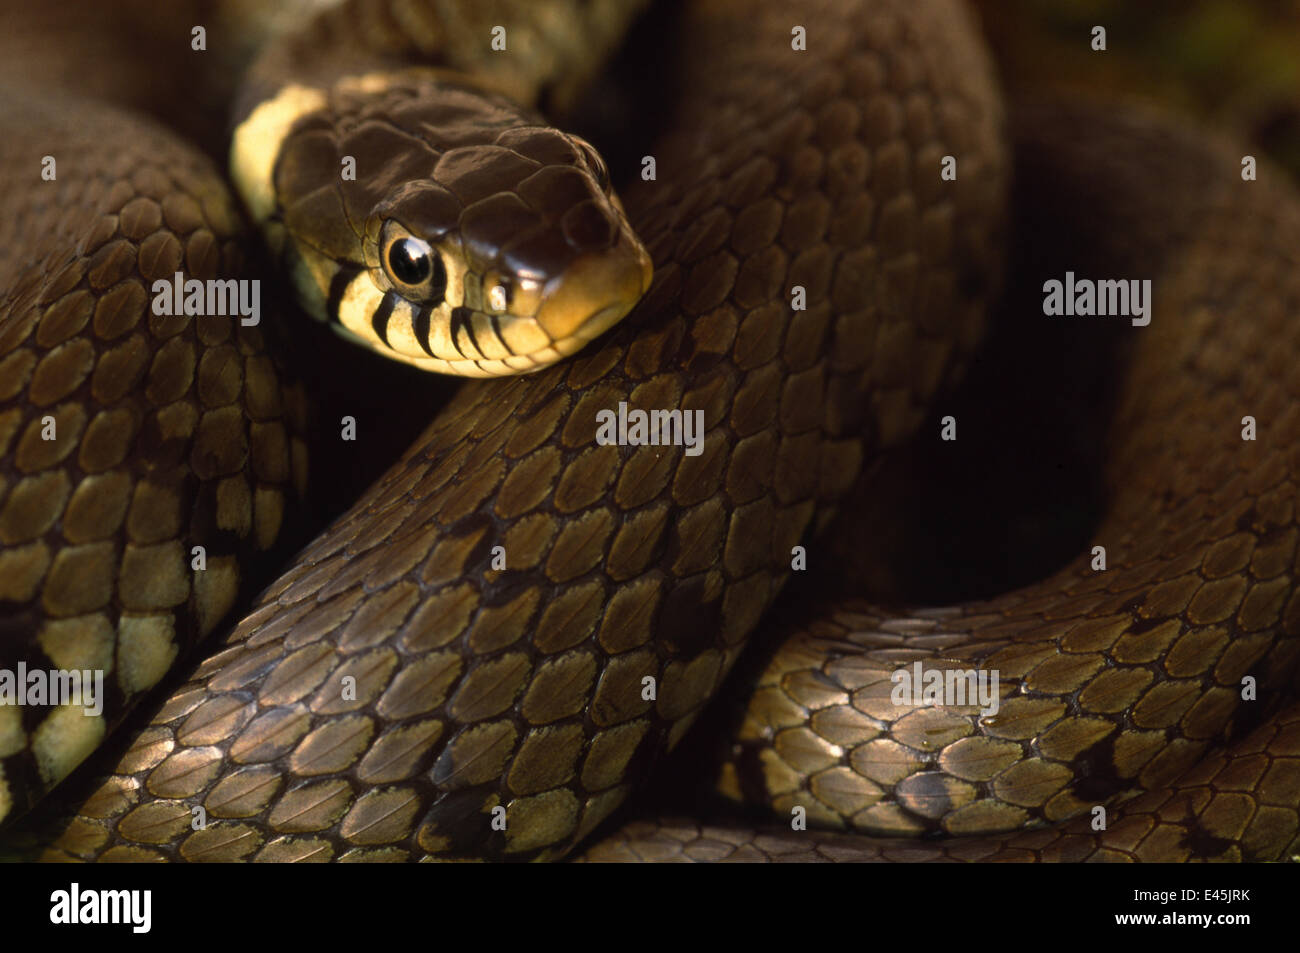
<point x="593" y="294"/>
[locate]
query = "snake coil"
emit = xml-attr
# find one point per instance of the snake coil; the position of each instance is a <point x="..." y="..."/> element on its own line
<point x="494" y="645"/>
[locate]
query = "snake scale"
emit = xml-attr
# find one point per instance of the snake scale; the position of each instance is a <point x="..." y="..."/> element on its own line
<point x="495" y="645"/>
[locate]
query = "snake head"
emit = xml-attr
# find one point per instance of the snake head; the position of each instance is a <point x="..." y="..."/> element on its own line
<point x="506" y="257"/>
<point x="438" y="223"/>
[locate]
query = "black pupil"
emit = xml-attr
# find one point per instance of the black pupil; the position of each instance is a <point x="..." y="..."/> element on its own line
<point x="409" y="261"/>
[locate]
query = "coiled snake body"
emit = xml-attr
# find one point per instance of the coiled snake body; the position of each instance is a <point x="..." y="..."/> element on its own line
<point x="491" y="648"/>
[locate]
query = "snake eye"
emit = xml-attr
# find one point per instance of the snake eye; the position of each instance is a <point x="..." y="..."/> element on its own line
<point x="410" y="261"/>
<point x="415" y="268"/>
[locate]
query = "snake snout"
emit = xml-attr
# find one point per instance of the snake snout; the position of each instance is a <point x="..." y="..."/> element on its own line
<point x="594" y="292"/>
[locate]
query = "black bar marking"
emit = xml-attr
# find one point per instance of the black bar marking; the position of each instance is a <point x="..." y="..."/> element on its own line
<point x="496" y="329"/>
<point x="421" y="328"/>
<point x="379" y="320"/>
<point x="339" y="284"/>
<point x="458" y="319"/>
<point x="469" y="330"/>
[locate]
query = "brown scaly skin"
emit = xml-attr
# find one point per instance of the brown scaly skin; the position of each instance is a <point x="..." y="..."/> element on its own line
<point x="1238" y="804"/>
<point x="477" y="688"/>
<point x="1113" y="683"/>
<point x="522" y="688"/>
<point x="169" y="431"/>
